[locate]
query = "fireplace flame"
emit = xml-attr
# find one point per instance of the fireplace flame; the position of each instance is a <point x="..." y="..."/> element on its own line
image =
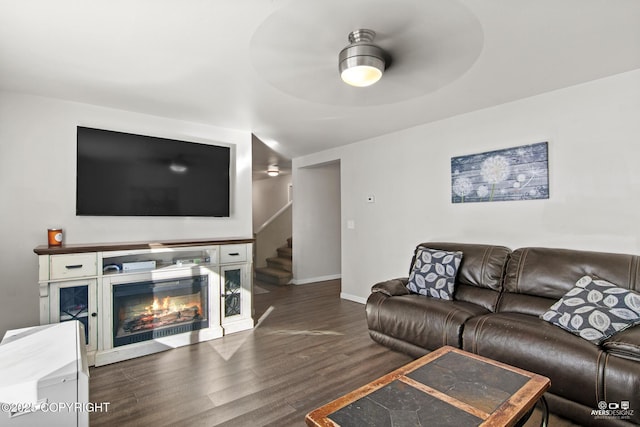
<point x="168" y="305"/>
<point x="161" y="312"/>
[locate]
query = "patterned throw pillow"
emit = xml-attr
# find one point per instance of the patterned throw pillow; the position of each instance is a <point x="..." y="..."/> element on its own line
<point x="595" y="309"/>
<point x="434" y="273"/>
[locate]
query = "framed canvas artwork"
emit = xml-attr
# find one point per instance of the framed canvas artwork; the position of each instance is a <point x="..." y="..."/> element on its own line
<point x="518" y="173"/>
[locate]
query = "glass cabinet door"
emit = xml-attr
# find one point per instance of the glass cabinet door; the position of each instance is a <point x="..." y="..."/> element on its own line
<point x="236" y="294"/>
<point x="232" y="278"/>
<point x="74" y="305"/>
<point x="76" y="301"/>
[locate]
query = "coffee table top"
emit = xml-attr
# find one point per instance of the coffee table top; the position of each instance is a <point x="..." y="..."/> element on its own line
<point x="447" y="387"/>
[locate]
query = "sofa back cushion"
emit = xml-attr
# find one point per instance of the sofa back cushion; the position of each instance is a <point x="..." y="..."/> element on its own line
<point x="480" y="275"/>
<point x="536" y="278"/>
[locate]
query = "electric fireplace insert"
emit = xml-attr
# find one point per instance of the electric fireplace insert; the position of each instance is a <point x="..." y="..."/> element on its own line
<point x="147" y="310"/>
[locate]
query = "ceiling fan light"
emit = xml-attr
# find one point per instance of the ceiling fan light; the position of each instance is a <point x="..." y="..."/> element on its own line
<point x="361" y="63"/>
<point x="361" y="75"/>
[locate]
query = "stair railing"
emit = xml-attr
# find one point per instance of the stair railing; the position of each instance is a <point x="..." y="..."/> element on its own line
<point x="266" y="242"/>
<point x="273" y="218"/>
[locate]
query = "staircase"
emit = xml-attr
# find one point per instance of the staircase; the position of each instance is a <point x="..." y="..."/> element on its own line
<point x="279" y="270"/>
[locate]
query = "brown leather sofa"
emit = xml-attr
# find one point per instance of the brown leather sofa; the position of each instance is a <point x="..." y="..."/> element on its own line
<point x="499" y="297"/>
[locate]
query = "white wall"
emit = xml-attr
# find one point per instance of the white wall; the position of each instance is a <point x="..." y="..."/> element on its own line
<point x="593" y="132"/>
<point x="316" y="222"/>
<point x="269" y="196"/>
<point x="37" y="188"/>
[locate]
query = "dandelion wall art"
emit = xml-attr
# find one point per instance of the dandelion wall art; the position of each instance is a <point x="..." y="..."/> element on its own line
<point x="519" y="173"/>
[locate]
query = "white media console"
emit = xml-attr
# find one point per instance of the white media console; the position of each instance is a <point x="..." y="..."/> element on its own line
<point x="141" y="298"/>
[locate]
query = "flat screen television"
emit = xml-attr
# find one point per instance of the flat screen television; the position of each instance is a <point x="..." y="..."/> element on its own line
<point x="122" y="174"/>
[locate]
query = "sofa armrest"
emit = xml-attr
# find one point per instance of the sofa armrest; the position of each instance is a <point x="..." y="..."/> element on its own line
<point x="625" y="344"/>
<point x="394" y="287"/>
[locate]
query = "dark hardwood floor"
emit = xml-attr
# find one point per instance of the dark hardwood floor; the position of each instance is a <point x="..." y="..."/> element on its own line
<point x="308" y="348"/>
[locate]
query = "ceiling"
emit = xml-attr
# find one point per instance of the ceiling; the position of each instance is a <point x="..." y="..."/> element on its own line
<point x="263" y="157"/>
<point x="271" y="66"/>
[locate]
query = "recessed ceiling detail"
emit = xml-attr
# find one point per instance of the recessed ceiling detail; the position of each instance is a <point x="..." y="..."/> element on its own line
<point x="284" y="85"/>
<point x="432" y="44"/>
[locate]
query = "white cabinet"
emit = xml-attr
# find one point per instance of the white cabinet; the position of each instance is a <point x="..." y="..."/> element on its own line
<point x="236" y="287"/>
<point x="62" y="299"/>
<point x="87" y="283"/>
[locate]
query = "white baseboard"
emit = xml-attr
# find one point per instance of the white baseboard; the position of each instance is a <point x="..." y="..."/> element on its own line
<point x="353" y="298"/>
<point x="316" y="279"/>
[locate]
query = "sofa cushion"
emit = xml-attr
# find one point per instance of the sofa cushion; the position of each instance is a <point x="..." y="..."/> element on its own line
<point x="482" y="266"/>
<point x="595" y="309"/>
<point x="543" y="275"/>
<point x="425" y="322"/>
<point x="434" y="272"/>
<point x="479" y="278"/>
<point x="528" y="342"/>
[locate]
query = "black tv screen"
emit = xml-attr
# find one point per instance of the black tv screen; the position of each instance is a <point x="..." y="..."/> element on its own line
<point x="122" y="174"/>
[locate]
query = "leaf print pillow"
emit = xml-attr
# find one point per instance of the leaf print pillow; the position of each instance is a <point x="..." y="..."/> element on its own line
<point x="434" y="273"/>
<point x="595" y="309"/>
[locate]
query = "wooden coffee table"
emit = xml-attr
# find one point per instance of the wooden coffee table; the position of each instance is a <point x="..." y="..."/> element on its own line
<point x="447" y="387"/>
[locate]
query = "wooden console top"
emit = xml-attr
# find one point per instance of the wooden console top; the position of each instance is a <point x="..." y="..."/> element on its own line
<point x="123" y="246"/>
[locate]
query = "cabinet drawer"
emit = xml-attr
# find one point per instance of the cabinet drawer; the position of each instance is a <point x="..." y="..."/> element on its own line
<point x="73" y="265"/>
<point x="233" y="253"/>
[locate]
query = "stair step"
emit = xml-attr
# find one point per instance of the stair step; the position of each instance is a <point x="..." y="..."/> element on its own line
<point x="285" y="252"/>
<point x="281" y="263"/>
<point x="273" y="275"/>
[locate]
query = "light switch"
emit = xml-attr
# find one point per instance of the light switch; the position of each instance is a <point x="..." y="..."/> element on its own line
<point x="351" y="224"/>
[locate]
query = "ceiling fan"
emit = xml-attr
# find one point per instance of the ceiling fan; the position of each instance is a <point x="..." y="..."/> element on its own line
<point x="297" y="48"/>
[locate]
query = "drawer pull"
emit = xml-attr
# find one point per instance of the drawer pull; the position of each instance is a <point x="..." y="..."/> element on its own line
<point x="234" y="253"/>
<point x="72" y="267"/>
